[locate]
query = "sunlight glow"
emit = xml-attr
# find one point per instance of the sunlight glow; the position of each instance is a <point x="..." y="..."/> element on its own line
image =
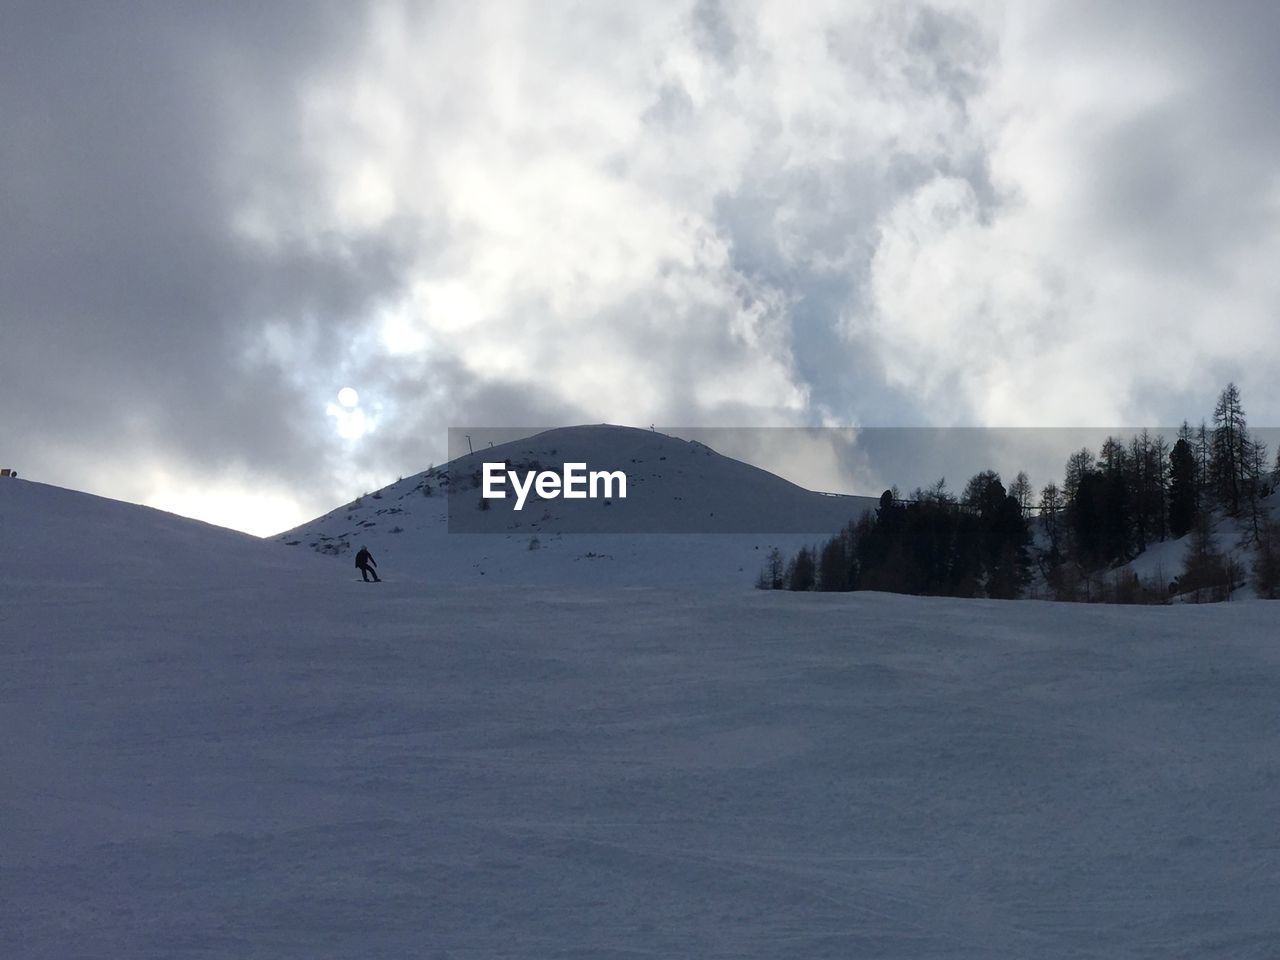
<point x="351" y="424"/>
<point x="260" y="513"/>
<point x="353" y="420"/>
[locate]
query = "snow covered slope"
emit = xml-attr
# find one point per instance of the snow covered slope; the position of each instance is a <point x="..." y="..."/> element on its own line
<point x="673" y="485"/>
<point x="216" y="747"/>
<point x="48" y="534"/>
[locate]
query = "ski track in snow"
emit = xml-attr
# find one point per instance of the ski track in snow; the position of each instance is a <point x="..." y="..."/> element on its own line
<point x="233" y="751"/>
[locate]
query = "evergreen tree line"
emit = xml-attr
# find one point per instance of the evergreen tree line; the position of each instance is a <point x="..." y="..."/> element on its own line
<point x="1109" y="508"/>
<point x="933" y="543"/>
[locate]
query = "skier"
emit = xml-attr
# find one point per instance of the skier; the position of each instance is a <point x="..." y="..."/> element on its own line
<point x="366" y="563"/>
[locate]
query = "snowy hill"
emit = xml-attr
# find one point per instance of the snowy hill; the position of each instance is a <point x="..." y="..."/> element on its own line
<point x="730" y="508"/>
<point x="221" y="747"/>
<point x="674" y="486"/>
<point x="49" y="534"/>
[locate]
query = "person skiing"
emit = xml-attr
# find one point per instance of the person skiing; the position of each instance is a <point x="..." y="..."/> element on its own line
<point x="366" y="563"/>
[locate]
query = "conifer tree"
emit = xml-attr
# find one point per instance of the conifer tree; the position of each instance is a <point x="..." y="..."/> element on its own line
<point x="802" y="571"/>
<point x="1051" y="506"/>
<point x="1079" y="464"/>
<point x="774" y="569"/>
<point x="1255" y="486"/>
<point x="835" y="570"/>
<point x="1158" y="486"/>
<point x="1202" y="459"/>
<point x="1009" y="559"/>
<point x="1183" y="499"/>
<point x="1116" y="506"/>
<point x="1022" y="491"/>
<point x="1147" y="482"/>
<point x="1229" y="453"/>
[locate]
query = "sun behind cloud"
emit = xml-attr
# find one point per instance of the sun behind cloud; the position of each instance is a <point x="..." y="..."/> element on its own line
<point x="351" y="421"/>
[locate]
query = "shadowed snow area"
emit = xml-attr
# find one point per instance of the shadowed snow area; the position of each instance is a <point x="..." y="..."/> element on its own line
<point x="221" y="747"/>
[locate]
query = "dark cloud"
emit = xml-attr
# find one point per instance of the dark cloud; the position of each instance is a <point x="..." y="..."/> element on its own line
<point x="126" y="297"/>
<point x="1178" y="181"/>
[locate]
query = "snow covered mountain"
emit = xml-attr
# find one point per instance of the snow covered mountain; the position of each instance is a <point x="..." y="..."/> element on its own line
<point x="735" y="512"/>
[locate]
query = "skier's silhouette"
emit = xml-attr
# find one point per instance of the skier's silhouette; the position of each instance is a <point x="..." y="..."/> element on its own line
<point x="366" y="563"/>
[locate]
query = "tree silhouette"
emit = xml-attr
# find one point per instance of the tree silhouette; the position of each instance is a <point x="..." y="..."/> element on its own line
<point x="1183" y="495"/>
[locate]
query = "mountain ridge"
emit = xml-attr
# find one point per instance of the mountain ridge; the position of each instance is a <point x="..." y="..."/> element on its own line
<point x="718" y="516"/>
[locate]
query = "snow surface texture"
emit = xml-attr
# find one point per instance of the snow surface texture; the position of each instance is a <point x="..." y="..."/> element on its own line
<point x="674" y="486"/>
<point x="217" y="747"/>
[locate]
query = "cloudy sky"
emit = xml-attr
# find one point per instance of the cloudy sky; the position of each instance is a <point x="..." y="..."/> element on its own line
<point x="215" y="217"/>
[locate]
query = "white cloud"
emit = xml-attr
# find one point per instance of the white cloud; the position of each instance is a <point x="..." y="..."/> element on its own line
<point x="647" y="222"/>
